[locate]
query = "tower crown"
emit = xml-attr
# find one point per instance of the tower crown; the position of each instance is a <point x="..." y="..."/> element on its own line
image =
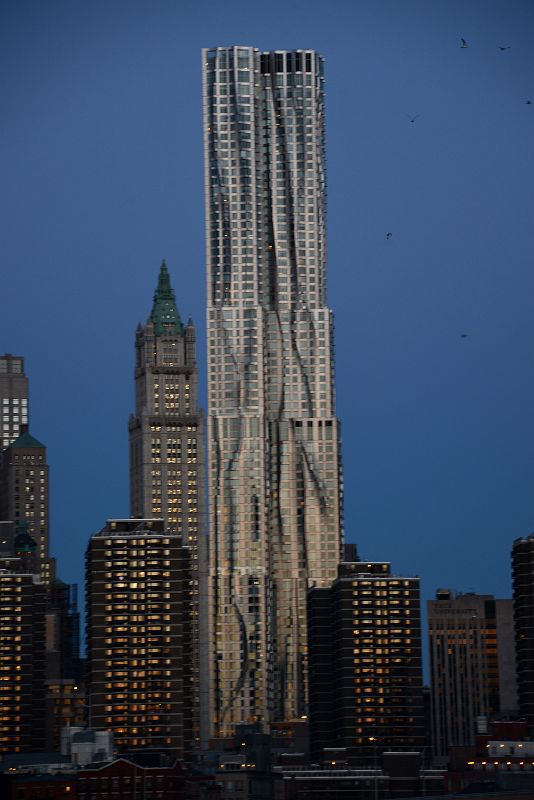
<point x="164" y="315"/>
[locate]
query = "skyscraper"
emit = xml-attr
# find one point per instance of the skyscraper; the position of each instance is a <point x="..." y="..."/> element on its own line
<point x="22" y="649"/>
<point x="167" y="448"/>
<point x="167" y="429"/>
<point x="139" y="635"/>
<point x="13" y="397"/>
<point x="24" y="495"/>
<point x="472" y="666"/>
<point x="273" y="442"/>
<point x="366" y="682"/>
<point x="523" y="589"/>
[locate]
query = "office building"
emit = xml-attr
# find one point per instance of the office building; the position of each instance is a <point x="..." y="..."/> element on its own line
<point x="139" y="636"/>
<point x="24" y="494"/>
<point x="13" y="397"/>
<point x="273" y="437"/>
<point x="472" y="667"/>
<point x="523" y="591"/>
<point x="167" y="464"/>
<point x="167" y="429"/>
<point x="366" y="693"/>
<point x="22" y="660"/>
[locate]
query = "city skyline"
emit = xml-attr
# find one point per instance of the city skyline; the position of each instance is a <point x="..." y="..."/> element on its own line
<point x="398" y="326"/>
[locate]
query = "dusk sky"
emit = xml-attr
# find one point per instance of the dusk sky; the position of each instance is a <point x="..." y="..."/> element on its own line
<point x="102" y="177"/>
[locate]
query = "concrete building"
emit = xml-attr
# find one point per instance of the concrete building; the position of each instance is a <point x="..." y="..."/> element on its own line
<point x="472" y="667"/>
<point x="139" y="636"/>
<point x="13" y="398"/>
<point x="22" y="662"/>
<point x="273" y="443"/>
<point x="84" y="746"/>
<point x="24" y="494"/>
<point x="167" y="464"/>
<point x="65" y="688"/>
<point x="366" y="693"/>
<point x="523" y="591"/>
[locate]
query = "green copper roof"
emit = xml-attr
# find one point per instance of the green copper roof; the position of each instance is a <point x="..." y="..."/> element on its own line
<point x="26" y="440"/>
<point x="164" y="315"/>
<point x="23" y="542"/>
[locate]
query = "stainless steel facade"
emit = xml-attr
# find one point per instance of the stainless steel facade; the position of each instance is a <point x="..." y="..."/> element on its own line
<point x="273" y="437"/>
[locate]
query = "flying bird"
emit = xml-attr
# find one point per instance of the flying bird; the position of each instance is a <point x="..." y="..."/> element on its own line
<point x="528" y="102"/>
<point x="389" y="235"/>
<point x="464" y="44"/>
<point x="412" y="119"/>
<point x="504" y="48"/>
<point x="464" y="335"/>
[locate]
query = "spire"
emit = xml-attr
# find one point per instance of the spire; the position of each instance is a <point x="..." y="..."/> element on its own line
<point x="164" y="314"/>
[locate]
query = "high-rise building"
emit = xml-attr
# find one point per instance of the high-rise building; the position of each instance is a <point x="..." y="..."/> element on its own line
<point x="366" y="685"/>
<point x="13" y="397"/>
<point x="24" y="494"/>
<point x="167" y="429"/>
<point x="472" y="667"/>
<point x="273" y="437"/>
<point x="167" y="464"/>
<point x="139" y="635"/>
<point x="65" y="695"/>
<point x="523" y="590"/>
<point x="22" y="660"/>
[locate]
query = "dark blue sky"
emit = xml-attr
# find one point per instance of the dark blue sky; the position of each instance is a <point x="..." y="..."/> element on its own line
<point x="101" y="148"/>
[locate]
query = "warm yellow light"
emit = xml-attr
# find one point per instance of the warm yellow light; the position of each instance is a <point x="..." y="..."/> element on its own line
<point x="470" y="762"/>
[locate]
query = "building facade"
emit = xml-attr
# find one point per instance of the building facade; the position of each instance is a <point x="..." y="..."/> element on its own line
<point x="65" y="691"/>
<point x="13" y="397"/>
<point x="273" y="437"/>
<point x="366" y="686"/>
<point x="167" y="463"/>
<point x="139" y="635"/>
<point x="523" y="590"/>
<point x="472" y="667"/>
<point x="24" y="497"/>
<point x="22" y="660"/>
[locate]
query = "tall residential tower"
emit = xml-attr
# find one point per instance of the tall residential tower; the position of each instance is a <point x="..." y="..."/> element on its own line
<point x="273" y="446"/>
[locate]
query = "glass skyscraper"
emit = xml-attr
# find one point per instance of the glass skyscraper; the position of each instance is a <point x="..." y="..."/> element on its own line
<point x="274" y="467"/>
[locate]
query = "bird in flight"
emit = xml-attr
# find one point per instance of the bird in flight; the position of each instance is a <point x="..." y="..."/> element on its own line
<point x="528" y="102"/>
<point x="464" y="335"/>
<point x="389" y="235"/>
<point x="464" y="43"/>
<point x="504" y="48"/>
<point x="412" y="119"/>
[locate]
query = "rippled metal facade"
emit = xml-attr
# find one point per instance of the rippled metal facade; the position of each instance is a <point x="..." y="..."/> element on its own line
<point x="274" y="467"/>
